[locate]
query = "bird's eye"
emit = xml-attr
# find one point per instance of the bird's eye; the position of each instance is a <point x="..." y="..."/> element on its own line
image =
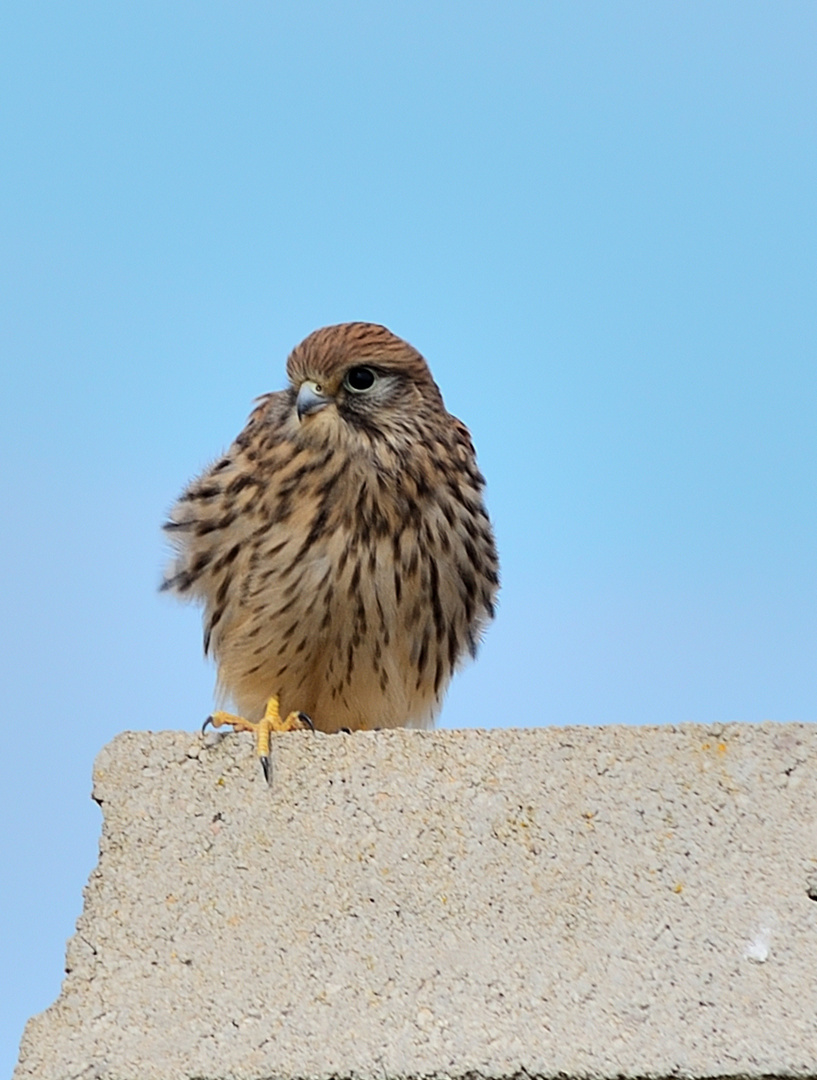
<point x="359" y="380"/>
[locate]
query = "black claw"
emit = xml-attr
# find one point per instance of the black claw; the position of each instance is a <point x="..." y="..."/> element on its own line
<point x="306" y="720"/>
<point x="265" y="765"/>
<point x="209" y="720"/>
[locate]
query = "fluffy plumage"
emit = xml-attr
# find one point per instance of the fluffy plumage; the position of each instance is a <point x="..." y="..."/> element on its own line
<point x="341" y="548"/>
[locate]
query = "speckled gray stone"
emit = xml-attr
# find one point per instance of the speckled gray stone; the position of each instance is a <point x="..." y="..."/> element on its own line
<point x="583" y="902"/>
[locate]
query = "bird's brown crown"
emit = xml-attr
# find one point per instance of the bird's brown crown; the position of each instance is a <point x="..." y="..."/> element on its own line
<point x="327" y="354"/>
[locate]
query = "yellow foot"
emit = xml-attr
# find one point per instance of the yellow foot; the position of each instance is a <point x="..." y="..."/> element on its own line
<point x="271" y="721"/>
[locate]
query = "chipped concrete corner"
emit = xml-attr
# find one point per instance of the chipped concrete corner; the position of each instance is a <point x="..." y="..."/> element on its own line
<point x="583" y="902"/>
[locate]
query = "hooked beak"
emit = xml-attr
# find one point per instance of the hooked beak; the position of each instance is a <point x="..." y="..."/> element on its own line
<point x="310" y="399"/>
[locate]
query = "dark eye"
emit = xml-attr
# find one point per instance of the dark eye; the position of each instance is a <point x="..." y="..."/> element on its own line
<point x="359" y="379"/>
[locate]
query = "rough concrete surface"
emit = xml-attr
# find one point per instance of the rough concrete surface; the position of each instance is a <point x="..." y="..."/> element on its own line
<point x="583" y="902"/>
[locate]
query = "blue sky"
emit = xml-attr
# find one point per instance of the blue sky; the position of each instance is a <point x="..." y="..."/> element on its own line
<point x="596" y="220"/>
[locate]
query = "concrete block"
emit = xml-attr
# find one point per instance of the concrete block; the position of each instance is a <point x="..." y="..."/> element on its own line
<point x="582" y="902"/>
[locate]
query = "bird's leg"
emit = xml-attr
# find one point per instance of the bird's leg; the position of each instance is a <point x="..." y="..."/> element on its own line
<point x="271" y="721"/>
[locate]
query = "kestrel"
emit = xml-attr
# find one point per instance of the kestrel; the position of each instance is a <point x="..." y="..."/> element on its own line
<point x="341" y="547"/>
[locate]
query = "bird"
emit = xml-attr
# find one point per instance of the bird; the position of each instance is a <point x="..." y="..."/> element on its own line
<point x="340" y="548"/>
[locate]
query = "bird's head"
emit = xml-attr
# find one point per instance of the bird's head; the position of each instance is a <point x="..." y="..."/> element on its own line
<point x="360" y="380"/>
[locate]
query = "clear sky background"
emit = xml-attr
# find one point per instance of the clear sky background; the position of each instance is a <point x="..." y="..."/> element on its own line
<point x="598" y="223"/>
